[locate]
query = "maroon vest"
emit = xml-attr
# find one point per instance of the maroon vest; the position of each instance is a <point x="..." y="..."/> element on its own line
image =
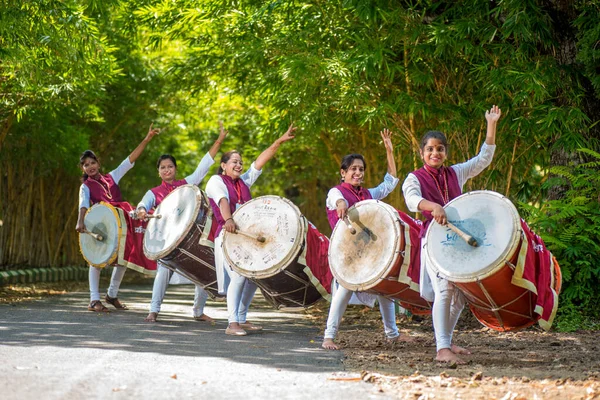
<point x="238" y="192"/>
<point x="103" y="189"/>
<point x="352" y="195"/>
<point x="432" y="191"/>
<point x="161" y="191"/>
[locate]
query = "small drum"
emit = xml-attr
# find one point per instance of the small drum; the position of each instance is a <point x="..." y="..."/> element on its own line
<point x="180" y="237"/>
<point x="377" y="258"/>
<point x="493" y="275"/>
<point x="290" y="266"/>
<point x="109" y="222"/>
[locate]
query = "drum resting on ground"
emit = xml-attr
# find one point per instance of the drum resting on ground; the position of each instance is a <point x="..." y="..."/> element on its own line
<point x="283" y="253"/>
<point x="510" y="279"/>
<point x="180" y="239"/>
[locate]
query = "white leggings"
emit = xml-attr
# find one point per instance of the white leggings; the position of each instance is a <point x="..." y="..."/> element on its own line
<point x="115" y="282"/>
<point x="161" y="281"/>
<point x="447" y="306"/>
<point x="338" y="307"/>
<point x="239" y="296"/>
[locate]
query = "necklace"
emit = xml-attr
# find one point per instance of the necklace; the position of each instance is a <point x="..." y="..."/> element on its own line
<point x="106" y="189"/>
<point x="445" y="195"/>
<point x="238" y="191"/>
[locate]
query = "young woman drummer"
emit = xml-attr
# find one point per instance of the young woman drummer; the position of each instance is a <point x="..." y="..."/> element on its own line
<point x="427" y="190"/>
<point x="228" y="190"/>
<point x="167" y="170"/>
<point x="97" y="187"/>
<point x="339" y="199"/>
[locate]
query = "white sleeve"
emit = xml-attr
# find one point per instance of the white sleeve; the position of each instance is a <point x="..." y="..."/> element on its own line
<point x="386" y="187"/>
<point x="84" y="196"/>
<point x="121" y="170"/>
<point x="475" y="165"/>
<point x="216" y="189"/>
<point x="201" y="170"/>
<point x="411" y="188"/>
<point x="148" y="201"/>
<point x="250" y="176"/>
<point x="332" y="197"/>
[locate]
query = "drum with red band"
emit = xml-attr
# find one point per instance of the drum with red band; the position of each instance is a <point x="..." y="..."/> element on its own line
<point x="510" y="279"/>
<point x="382" y="257"/>
<point x="181" y="238"/>
<point x="290" y="264"/>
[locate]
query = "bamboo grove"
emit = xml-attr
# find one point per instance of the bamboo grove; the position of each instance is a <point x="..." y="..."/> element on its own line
<point x="81" y="74"/>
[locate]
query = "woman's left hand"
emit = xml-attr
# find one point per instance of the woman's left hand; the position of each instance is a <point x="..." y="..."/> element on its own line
<point x="289" y="134"/>
<point x="386" y="135"/>
<point x="152" y="132"/>
<point x="222" y="131"/>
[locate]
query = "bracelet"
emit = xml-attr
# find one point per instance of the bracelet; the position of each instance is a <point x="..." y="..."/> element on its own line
<point x="228" y="219"/>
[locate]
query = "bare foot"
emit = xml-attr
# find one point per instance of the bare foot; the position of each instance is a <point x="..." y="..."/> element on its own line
<point x="204" y="317"/>
<point x="151" y="317"/>
<point x="460" y="350"/>
<point x="329" y="345"/>
<point x="401" y="338"/>
<point x="446" y="355"/>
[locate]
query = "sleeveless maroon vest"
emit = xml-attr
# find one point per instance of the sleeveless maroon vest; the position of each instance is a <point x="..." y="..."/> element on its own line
<point x="161" y="191"/>
<point x="103" y="189"/>
<point x="238" y="192"/>
<point x="352" y="195"/>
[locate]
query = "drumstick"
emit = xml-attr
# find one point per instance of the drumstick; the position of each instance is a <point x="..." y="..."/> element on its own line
<point x="94" y="235"/>
<point x="349" y="225"/>
<point x="251" y="236"/>
<point x="467" y="238"/>
<point x="157" y="216"/>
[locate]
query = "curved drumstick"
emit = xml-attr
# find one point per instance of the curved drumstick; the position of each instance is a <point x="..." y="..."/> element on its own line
<point x="261" y="239"/>
<point x="349" y="225"/>
<point x="466" y="237"/>
<point x="94" y="235"/>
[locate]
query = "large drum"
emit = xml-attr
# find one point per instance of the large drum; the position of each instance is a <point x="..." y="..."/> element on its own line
<point x="382" y="257"/>
<point x="180" y="238"/>
<point x="108" y="222"/>
<point x="290" y="265"/>
<point x="510" y="279"/>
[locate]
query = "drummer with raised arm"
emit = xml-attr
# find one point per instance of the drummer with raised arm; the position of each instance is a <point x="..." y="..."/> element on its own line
<point x="427" y="190"/>
<point x="339" y="199"/>
<point x="97" y="187"/>
<point x="167" y="170"/>
<point x="228" y="190"/>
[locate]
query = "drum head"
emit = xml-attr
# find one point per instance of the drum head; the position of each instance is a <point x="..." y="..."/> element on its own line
<point x="179" y="211"/>
<point x="362" y="260"/>
<point x="487" y="216"/>
<point x="104" y="220"/>
<point x="280" y="222"/>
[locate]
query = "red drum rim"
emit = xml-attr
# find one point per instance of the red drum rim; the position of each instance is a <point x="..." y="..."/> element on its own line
<point x="462" y="263"/>
<point x="114" y="236"/>
<point x="360" y="214"/>
<point x="170" y="213"/>
<point x="282" y="243"/>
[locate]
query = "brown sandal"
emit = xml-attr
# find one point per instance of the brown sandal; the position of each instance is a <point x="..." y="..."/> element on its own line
<point x="97" y="306"/>
<point x="152" y="317"/>
<point x="115" y="302"/>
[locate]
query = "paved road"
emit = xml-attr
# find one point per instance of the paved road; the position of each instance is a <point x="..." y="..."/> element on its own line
<point x="56" y="349"/>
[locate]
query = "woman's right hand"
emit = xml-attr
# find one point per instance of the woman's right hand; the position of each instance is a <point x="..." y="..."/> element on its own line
<point x="341" y="208"/>
<point x="229" y="226"/>
<point x="80" y="227"/>
<point x="439" y="215"/>
<point x="141" y="214"/>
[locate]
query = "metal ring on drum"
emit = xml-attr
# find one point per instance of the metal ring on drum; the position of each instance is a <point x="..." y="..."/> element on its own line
<point x="107" y="221"/>
<point x="178" y="238"/>
<point x="273" y="264"/>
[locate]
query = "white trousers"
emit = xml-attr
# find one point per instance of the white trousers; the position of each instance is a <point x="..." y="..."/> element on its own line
<point x="240" y="291"/>
<point x="115" y="282"/>
<point x="338" y="307"/>
<point x="448" y="303"/>
<point x="161" y="281"/>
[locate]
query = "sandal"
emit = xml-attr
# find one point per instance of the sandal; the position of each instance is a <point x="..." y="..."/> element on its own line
<point x="152" y="317"/>
<point x="203" y="317"/>
<point x="97" y="306"/>
<point x="115" y="302"/>
<point x="250" y="326"/>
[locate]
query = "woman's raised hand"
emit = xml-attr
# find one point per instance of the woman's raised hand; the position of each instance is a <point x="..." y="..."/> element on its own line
<point x="493" y="115"/>
<point x="289" y="134"/>
<point x="152" y="132"/>
<point x="222" y="131"/>
<point x="386" y="135"/>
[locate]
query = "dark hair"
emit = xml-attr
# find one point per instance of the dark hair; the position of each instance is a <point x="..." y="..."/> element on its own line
<point x="84" y="155"/>
<point x="166" y="157"/>
<point x="349" y="159"/>
<point x="225" y="157"/>
<point x="434" y="135"/>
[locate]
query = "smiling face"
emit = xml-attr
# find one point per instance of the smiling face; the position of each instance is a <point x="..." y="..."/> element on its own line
<point x="355" y="173"/>
<point x="91" y="167"/>
<point x="434" y="153"/>
<point x="167" y="170"/>
<point x="233" y="167"/>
